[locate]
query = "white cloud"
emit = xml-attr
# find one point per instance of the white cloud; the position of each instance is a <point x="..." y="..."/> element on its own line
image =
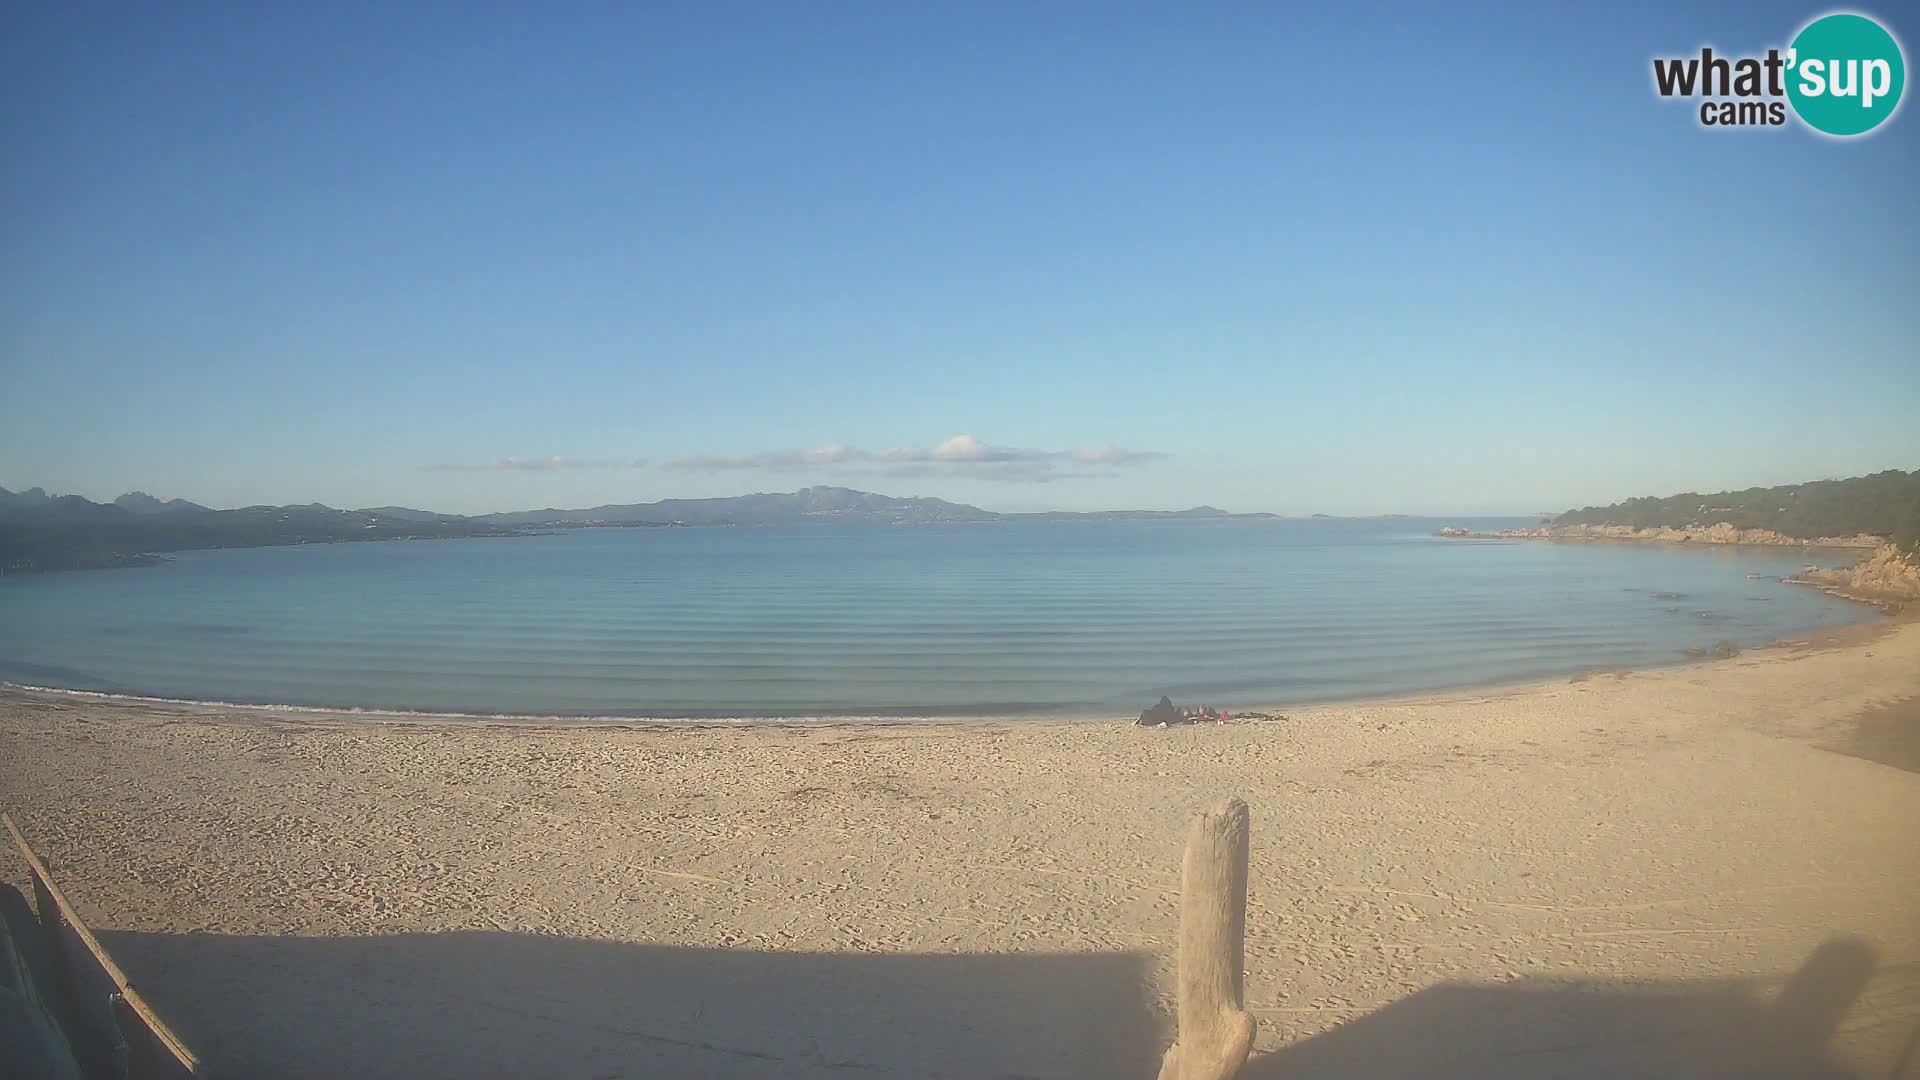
<point x="962" y="448"/>
<point x="835" y="454"/>
<point x="1109" y="454"/>
<point x="962" y="455"/>
<point x="542" y="464"/>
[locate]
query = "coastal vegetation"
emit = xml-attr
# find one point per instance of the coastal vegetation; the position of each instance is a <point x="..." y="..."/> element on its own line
<point x="1877" y="514"/>
<point x="1906" y="536"/>
<point x="1884" y="504"/>
<point x="71" y="533"/>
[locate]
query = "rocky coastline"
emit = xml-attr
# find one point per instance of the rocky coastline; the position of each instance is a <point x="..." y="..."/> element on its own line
<point x="1882" y="575"/>
<point x="1721" y="533"/>
<point x="1888" y="578"/>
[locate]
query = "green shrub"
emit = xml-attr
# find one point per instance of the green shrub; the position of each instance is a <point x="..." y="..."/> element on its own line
<point x="1883" y="504"/>
<point x="1906" y="536"/>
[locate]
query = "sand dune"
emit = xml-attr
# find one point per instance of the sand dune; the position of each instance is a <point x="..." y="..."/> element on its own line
<point x="1699" y="871"/>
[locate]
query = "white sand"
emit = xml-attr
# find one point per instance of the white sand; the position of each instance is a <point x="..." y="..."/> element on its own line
<point x="1657" y="874"/>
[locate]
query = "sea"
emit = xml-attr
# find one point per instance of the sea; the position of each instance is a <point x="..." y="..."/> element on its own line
<point x="1064" y="620"/>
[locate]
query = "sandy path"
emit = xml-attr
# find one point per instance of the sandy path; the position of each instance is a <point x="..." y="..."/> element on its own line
<point x="1663" y="873"/>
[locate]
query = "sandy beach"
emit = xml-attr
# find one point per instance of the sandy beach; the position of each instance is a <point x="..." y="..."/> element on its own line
<point x="1706" y="870"/>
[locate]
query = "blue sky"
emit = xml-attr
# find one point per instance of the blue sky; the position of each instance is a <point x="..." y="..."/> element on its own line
<point x="1079" y="255"/>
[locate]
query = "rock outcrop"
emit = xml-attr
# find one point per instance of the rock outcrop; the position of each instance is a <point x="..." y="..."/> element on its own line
<point x="1721" y="533"/>
<point x="1888" y="576"/>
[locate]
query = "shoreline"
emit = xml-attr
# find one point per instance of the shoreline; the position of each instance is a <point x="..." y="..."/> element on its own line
<point x="1719" y="534"/>
<point x="1828" y="638"/>
<point x="1610" y="876"/>
<point x="1514" y="536"/>
<point x="1888" y="606"/>
<point x="1827" y="580"/>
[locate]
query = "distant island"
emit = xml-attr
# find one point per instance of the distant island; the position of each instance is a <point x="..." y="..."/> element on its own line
<point x="821" y="504"/>
<point x="41" y="532"/>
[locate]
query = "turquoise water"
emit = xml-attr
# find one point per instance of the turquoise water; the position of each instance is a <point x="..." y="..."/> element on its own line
<point x="1063" y="619"/>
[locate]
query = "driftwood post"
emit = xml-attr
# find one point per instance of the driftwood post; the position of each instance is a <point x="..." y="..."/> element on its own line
<point x="1216" y="1031"/>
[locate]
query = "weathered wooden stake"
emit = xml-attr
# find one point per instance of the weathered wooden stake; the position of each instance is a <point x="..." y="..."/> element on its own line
<point x="1216" y="1031"/>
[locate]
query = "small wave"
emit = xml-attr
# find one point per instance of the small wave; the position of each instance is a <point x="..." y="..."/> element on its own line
<point x="681" y="717"/>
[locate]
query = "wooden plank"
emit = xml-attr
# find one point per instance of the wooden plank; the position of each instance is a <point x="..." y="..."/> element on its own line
<point x="43" y="885"/>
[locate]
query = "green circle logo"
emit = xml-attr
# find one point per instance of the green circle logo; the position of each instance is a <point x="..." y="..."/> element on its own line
<point x="1845" y="74"/>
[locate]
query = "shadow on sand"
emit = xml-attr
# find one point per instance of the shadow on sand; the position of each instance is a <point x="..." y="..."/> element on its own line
<point x="1751" y="1029"/>
<point x="476" y="1005"/>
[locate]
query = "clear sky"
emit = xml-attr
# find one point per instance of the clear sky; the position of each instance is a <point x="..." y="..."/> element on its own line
<point x="1429" y="258"/>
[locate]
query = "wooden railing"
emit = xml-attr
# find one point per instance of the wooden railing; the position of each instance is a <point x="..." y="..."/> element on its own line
<point x="151" y="1047"/>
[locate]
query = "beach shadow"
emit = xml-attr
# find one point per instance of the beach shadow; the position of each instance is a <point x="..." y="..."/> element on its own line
<point x="481" y="1005"/>
<point x="1574" y="1028"/>
<point x="1888" y="733"/>
<point x="475" y="1005"/>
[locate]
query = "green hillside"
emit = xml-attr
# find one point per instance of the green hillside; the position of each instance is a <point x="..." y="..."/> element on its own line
<point x="1883" y="504"/>
<point x="71" y="533"/>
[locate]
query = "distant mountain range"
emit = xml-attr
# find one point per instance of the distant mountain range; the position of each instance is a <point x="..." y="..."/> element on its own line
<point x="142" y="503"/>
<point x="66" y="532"/>
<point x="816" y="505"/>
<point x="41" y="532"/>
<point x="22" y="500"/>
<point x="806" y="506"/>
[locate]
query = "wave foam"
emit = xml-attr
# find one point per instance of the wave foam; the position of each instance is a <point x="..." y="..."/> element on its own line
<point x="526" y="719"/>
